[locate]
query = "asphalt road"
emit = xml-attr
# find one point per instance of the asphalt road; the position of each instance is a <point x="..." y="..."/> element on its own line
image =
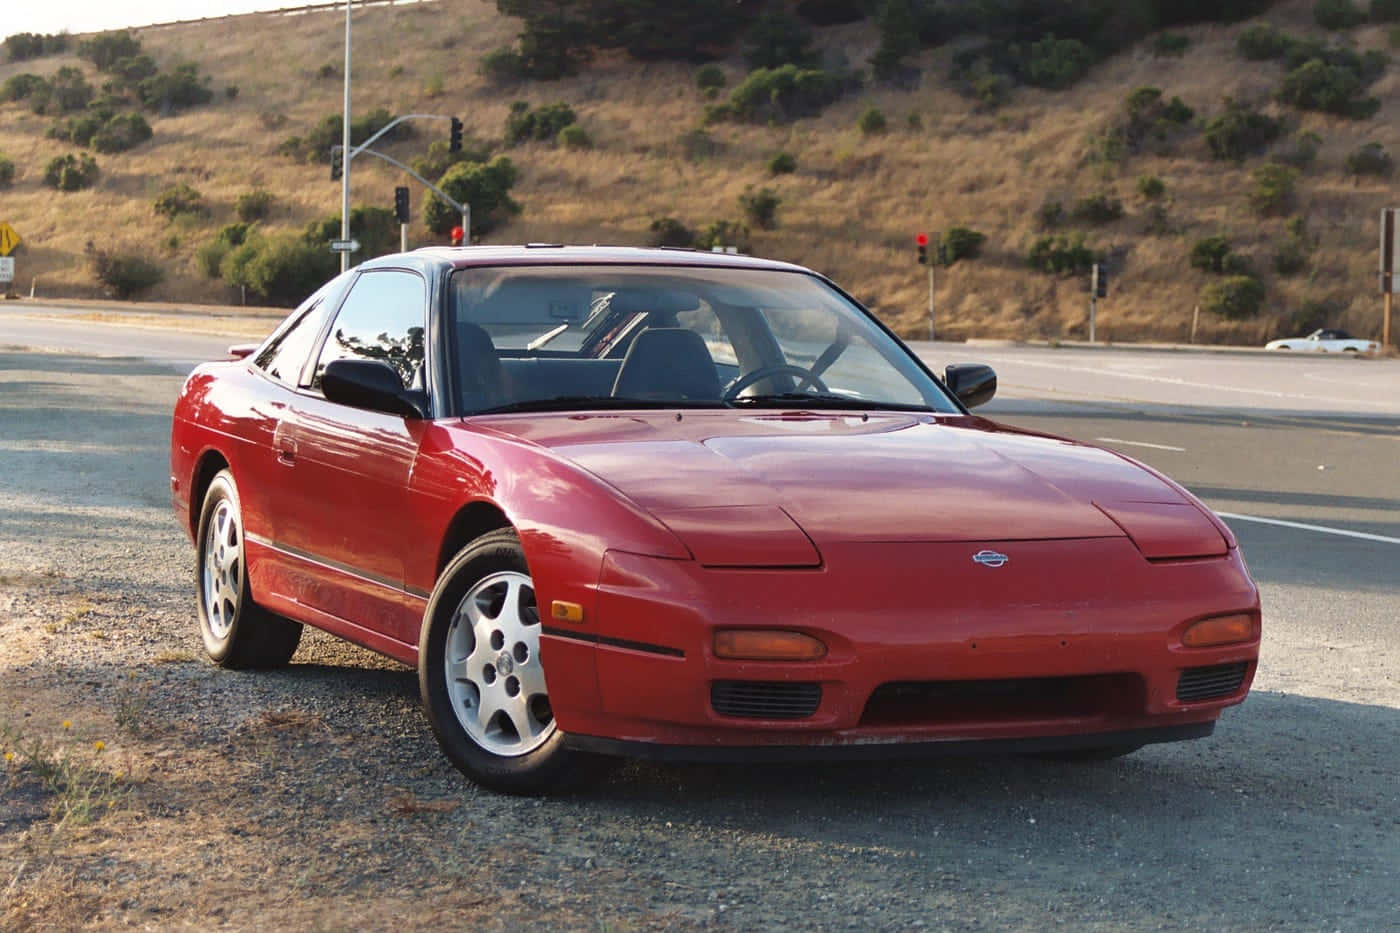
<point x="1289" y="817"/>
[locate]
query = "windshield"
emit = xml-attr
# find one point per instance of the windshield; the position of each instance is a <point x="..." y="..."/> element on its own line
<point x="586" y="337"/>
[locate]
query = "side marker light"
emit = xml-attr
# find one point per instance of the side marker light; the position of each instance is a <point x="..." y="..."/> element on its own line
<point x="1221" y="630"/>
<point x="566" y="612"/>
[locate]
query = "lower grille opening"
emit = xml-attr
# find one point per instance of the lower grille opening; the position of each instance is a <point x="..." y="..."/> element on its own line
<point x="1210" y="683"/>
<point x="1012" y="700"/>
<point x="757" y="699"/>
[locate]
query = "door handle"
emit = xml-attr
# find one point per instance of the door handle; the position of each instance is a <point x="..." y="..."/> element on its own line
<point x="286" y="450"/>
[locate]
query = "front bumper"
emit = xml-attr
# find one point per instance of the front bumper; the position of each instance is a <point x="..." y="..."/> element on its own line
<point x="1072" y="644"/>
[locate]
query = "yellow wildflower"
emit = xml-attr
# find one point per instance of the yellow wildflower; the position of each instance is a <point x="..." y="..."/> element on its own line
<point x="67" y="723"/>
<point x="99" y="745"/>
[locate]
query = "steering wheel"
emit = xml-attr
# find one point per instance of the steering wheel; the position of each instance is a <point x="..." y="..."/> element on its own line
<point x="804" y="376"/>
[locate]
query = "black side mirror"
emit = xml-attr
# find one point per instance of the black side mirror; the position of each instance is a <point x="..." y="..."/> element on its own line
<point x="371" y="384"/>
<point x="973" y="383"/>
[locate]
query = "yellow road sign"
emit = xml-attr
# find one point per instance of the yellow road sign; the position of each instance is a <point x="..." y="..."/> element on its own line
<point x="9" y="239"/>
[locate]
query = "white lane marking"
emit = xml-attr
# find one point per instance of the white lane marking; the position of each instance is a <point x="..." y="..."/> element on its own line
<point x="1119" y="440"/>
<point x="1364" y="536"/>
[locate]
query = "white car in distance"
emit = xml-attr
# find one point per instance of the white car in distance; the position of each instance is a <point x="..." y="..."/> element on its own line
<point x="1326" y="341"/>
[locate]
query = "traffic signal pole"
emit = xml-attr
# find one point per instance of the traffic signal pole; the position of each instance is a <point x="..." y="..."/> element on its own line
<point x="345" y="147"/>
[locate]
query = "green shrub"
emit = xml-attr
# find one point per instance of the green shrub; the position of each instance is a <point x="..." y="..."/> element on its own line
<point x="782" y="94"/>
<point x="1209" y="254"/>
<point x="180" y="199"/>
<point x="128" y="73"/>
<point x="65" y="92"/>
<point x="504" y="65"/>
<point x="1061" y="255"/>
<point x="1237" y="297"/>
<point x="723" y="233"/>
<point x="1262" y="42"/>
<point x="280" y="270"/>
<point x="761" y="207"/>
<point x="22" y="46"/>
<point x="315" y="145"/>
<point x="777" y="38"/>
<point x="440" y="157"/>
<point x="375" y="227"/>
<point x="7" y="171"/>
<point x="124" y="131"/>
<point x="542" y="123"/>
<point x="574" y="136"/>
<point x="1237" y="264"/>
<point x="253" y="205"/>
<point x="231" y="92"/>
<point x="71" y="172"/>
<point x="668" y="231"/>
<point x="1170" y="44"/>
<point x="1381" y="11"/>
<point x="107" y="48"/>
<point x="78" y="130"/>
<point x="872" y="121"/>
<point x="485" y="186"/>
<point x="1058" y="63"/>
<point x="210" y="256"/>
<point x="1097" y="209"/>
<point x="1151" y="187"/>
<point x="123" y="274"/>
<point x="710" y="79"/>
<point x="1337" y="14"/>
<point x="1370" y="159"/>
<point x="1335" y="89"/>
<point x="1273" y="189"/>
<point x="20" y="86"/>
<point x="328" y="70"/>
<point x="961" y="243"/>
<point x="784" y="163"/>
<point x="1240" y="131"/>
<point x="175" y="90"/>
<point x="899" y="38"/>
<point x="1149" y="121"/>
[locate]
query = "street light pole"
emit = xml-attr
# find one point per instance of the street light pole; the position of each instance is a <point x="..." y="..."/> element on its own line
<point x="345" y="142"/>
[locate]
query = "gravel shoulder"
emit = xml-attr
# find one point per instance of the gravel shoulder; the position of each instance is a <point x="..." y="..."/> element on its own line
<point x="315" y="796"/>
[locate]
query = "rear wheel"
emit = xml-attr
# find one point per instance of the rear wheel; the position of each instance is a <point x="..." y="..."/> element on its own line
<point x="237" y="632"/>
<point x="479" y="672"/>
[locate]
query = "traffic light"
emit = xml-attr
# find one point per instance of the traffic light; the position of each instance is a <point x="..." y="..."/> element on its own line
<point x="454" y="142"/>
<point x="1100" y="281"/>
<point x="337" y="163"/>
<point x="401" y="204"/>
<point x="921" y="241"/>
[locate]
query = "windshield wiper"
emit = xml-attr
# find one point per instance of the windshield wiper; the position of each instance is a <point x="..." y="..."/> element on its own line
<point x="818" y="400"/>
<point x="591" y="402"/>
<point x="547" y="336"/>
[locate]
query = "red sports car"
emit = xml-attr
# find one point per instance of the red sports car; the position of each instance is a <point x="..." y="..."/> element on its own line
<point x="685" y="505"/>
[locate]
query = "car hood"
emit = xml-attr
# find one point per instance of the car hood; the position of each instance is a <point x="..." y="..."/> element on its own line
<point x="878" y="477"/>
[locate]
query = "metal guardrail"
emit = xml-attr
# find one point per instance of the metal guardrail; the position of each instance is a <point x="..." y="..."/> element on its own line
<point x="329" y="6"/>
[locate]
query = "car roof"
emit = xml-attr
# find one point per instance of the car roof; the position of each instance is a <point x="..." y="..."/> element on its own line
<point x="462" y="257"/>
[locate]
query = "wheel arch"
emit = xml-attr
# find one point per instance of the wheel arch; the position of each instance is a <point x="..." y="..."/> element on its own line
<point x="472" y="520"/>
<point x="210" y="463"/>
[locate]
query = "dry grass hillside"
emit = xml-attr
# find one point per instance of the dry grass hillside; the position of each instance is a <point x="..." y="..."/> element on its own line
<point x="850" y="210"/>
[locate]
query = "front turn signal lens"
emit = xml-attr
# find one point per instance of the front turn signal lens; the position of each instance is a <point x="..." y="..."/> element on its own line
<point x="1221" y="630"/>
<point x="767" y="645"/>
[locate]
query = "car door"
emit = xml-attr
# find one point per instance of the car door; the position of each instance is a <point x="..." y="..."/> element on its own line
<point x="342" y="505"/>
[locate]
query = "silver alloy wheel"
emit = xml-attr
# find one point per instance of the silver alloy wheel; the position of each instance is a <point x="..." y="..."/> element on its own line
<point x="223" y="568"/>
<point x="494" y="677"/>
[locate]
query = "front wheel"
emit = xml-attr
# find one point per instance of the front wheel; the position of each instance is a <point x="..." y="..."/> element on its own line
<point x="237" y="632"/>
<point x="479" y="672"/>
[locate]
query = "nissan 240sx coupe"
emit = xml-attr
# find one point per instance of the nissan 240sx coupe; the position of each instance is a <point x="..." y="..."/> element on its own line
<point x="685" y="505"/>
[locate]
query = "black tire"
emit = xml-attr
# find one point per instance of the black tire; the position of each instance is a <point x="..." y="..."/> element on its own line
<point x="486" y="585"/>
<point x="1101" y="753"/>
<point x="238" y="633"/>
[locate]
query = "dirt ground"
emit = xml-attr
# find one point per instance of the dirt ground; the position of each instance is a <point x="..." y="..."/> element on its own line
<point x="144" y="788"/>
